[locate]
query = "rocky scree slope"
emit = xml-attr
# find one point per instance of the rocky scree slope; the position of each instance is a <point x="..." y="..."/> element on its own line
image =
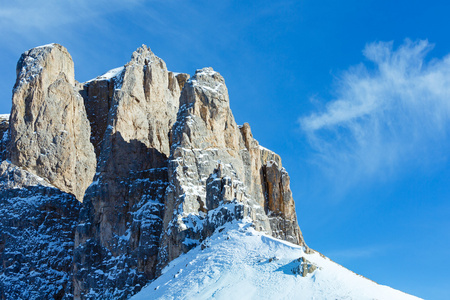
<point x="155" y="160"/>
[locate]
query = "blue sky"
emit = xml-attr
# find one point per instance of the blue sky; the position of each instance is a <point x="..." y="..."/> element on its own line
<point x="354" y="96"/>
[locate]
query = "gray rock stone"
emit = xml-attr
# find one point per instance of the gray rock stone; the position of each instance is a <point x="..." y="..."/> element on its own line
<point x="280" y="207"/>
<point x="4" y="136"/>
<point x="214" y="163"/>
<point x="37" y="226"/>
<point x="303" y="267"/>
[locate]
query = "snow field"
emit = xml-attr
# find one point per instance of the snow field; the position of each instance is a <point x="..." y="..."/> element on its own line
<point x="241" y="263"/>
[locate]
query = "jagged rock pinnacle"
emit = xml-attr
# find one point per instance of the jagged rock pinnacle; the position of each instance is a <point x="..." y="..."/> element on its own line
<point x="49" y="130"/>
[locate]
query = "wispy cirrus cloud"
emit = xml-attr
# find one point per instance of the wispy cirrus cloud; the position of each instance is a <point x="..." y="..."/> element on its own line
<point x="27" y="20"/>
<point x="27" y="14"/>
<point x="384" y="117"/>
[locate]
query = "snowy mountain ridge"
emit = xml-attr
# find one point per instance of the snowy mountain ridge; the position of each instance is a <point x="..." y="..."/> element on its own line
<point x="238" y="262"/>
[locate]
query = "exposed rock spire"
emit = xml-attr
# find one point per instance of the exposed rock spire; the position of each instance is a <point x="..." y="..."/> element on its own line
<point x="49" y="129"/>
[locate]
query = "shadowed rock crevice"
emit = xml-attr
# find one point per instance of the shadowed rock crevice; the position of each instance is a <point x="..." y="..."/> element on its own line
<point x="97" y="96"/>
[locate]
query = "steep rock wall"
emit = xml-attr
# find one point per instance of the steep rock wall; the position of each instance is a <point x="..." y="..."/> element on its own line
<point x="4" y="136"/>
<point x="49" y="129"/>
<point x="122" y="217"/>
<point x="214" y="163"/>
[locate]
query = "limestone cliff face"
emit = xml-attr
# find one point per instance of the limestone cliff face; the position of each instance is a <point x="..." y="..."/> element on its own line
<point x="49" y="130"/>
<point x="172" y="165"/>
<point x="210" y="166"/>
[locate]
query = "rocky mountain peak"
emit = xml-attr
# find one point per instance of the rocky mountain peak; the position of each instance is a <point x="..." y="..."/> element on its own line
<point x="206" y="76"/>
<point x="143" y="56"/>
<point x="48" y="61"/>
<point x="156" y="157"/>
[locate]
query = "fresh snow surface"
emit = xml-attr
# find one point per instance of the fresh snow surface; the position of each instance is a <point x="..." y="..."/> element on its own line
<point x="108" y="75"/>
<point x="47" y="45"/>
<point x="205" y="71"/>
<point x="240" y="263"/>
<point x="4" y="116"/>
<point x="264" y="148"/>
<point x="111" y="73"/>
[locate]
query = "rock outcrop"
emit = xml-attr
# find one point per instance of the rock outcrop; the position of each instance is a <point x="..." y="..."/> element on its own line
<point x="279" y="205"/>
<point x="49" y="130"/>
<point x="213" y="162"/>
<point x="171" y="163"/>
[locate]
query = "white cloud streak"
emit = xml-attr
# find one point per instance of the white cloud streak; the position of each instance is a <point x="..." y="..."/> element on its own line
<point x="25" y="14"/>
<point x="30" y="20"/>
<point x="387" y="116"/>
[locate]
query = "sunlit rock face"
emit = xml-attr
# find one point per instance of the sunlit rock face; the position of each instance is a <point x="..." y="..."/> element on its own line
<point x="156" y="157"/>
<point x="214" y="162"/>
<point x="49" y="130"/>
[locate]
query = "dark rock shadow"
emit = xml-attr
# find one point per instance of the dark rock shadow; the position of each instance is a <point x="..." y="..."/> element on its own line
<point x="97" y="96"/>
<point x="125" y="157"/>
<point x="121" y="222"/>
<point x="4" y="136"/>
<point x="289" y="268"/>
<point x="37" y="228"/>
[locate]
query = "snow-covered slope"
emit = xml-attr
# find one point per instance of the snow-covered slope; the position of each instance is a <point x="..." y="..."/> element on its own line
<point x="241" y="263"/>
